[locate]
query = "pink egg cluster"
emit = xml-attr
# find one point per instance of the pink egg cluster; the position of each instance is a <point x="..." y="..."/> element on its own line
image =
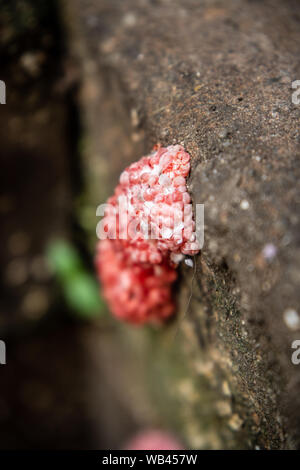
<point x="147" y="229"/>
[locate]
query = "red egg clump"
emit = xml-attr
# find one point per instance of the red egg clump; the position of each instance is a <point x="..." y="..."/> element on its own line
<point x="146" y="230"/>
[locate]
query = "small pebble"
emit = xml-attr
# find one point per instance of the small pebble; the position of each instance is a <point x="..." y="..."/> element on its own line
<point x="244" y="205"/>
<point x="269" y="251"/>
<point x="189" y="262"/>
<point x="129" y="20"/>
<point x="292" y="319"/>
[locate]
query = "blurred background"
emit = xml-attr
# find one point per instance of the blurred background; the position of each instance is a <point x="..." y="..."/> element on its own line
<point x="72" y="378"/>
<point x="66" y="384"/>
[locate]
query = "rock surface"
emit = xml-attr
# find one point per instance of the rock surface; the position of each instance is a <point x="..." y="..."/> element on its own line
<point x="217" y="77"/>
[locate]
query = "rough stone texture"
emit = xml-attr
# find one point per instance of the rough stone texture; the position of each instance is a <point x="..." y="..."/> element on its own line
<point x="215" y="76"/>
